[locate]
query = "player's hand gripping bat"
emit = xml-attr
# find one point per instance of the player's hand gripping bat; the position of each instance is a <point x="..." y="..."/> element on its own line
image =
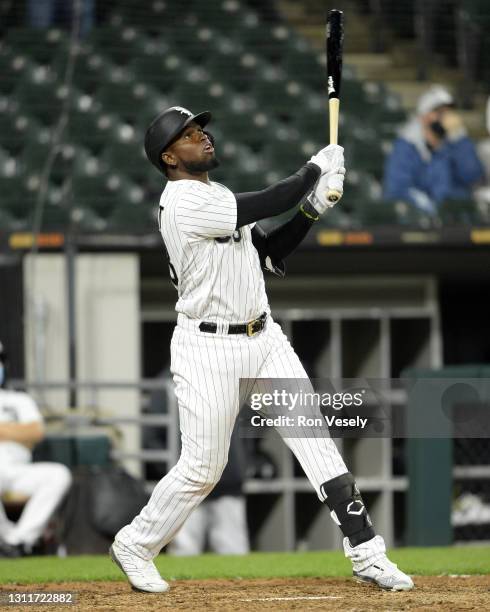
<point x="334" y="44"/>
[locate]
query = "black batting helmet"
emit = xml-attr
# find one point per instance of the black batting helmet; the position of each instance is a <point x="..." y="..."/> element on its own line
<point x="165" y="127"/>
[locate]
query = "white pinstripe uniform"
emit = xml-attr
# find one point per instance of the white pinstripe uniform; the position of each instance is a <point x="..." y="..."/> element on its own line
<point x="219" y="280"/>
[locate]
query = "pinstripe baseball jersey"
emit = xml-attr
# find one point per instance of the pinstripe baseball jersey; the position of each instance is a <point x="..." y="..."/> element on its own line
<point x="215" y="268"/>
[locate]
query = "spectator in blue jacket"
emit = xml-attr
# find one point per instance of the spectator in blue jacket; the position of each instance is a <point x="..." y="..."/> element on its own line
<point x="432" y="159"/>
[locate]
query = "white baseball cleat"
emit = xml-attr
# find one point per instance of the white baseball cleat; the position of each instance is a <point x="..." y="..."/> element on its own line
<point x="370" y="564"/>
<point x="142" y="575"/>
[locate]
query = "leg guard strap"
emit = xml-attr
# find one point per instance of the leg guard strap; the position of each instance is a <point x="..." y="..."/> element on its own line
<point x="347" y="508"/>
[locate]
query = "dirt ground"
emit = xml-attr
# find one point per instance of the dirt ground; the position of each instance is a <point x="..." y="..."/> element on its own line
<point x="431" y="594"/>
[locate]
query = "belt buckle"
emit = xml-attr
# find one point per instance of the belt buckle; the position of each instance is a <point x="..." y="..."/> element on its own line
<point x="251" y="329"/>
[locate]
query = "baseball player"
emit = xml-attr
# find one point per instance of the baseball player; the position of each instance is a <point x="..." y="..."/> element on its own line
<point x="45" y="484"/>
<point x="216" y="251"/>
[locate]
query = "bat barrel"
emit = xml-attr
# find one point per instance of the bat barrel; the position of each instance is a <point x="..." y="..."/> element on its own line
<point x="334" y="46"/>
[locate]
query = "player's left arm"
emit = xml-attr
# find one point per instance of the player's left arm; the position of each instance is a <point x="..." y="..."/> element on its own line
<point x="274" y="246"/>
<point x="284" y="195"/>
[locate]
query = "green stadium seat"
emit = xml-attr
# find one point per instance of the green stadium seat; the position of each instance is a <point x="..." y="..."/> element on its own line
<point x="13" y="66"/>
<point x="7" y="222"/>
<point x="220" y="14"/>
<point x="91" y="69"/>
<point x="363" y="149"/>
<point x="56" y="212"/>
<point x="311" y="119"/>
<point x="133" y="219"/>
<point x="120" y="44"/>
<point x="459" y="212"/>
<point x="192" y="41"/>
<point x="163" y="73"/>
<point x="98" y="191"/>
<point x="284" y="152"/>
<point x="301" y="63"/>
<point x="154" y="104"/>
<point x="208" y="95"/>
<point x="121" y="94"/>
<point x="89" y="127"/>
<point x="153" y="15"/>
<point x="222" y="57"/>
<point x="360" y="191"/>
<point x="85" y="220"/>
<point x="16" y="130"/>
<point x="40" y="95"/>
<point x="279" y="96"/>
<point x="125" y="153"/>
<point x="19" y="194"/>
<point x="246" y="125"/>
<point x="41" y="45"/>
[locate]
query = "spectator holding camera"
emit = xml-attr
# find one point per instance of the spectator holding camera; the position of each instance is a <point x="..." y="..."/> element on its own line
<point x="432" y="159"/>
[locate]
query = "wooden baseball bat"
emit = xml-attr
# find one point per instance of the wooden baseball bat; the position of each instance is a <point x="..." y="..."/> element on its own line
<point x="334" y="49"/>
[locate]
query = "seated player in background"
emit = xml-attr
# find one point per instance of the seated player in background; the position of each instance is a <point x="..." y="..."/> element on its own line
<point x="44" y="484"/>
<point x="225" y="332"/>
<point x="433" y="159"/>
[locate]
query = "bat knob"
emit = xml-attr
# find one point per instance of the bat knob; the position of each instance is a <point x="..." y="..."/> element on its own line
<point x="333" y="196"/>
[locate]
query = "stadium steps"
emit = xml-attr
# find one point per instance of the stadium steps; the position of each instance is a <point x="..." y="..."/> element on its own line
<point x="397" y="67"/>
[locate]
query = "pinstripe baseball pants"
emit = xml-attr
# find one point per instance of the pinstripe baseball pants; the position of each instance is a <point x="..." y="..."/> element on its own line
<point x="207" y="368"/>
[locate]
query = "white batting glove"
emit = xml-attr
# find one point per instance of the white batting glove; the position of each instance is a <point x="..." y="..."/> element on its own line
<point x="331" y="181"/>
<point x="329" y="158"/>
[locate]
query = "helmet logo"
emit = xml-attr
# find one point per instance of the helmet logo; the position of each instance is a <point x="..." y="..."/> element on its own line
<point x="183" y="111"/>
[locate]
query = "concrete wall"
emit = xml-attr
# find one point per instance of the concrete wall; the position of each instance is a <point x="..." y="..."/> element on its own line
<point x="107" y="327"/>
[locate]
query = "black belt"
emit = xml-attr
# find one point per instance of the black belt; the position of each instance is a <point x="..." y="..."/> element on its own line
<point x="251" y="328"/>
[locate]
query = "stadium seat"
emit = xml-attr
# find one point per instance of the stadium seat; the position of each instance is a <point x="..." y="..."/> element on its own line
<point x="220" y="14"/>
<point x="301" y="63"/>
<point x="13" y="66"/>
<point x="222" y="56"/>
<point x="121" y="94"/>
<point x="40" y="95"/>
<point x="16" y="129"/>
<point x="204" y="95"/>
<point x="90" y="127"/>
<point x="459" y="212"/>
<point x="132" y="218"/>
<point x="37" y="150"/>
<point x="283" y="97"/>
<point x="97" y="192"/>
<point x="19" y="194"/>
<point x="41" y="45"/>
<point x="153" y="15"/>
<point x="125" y="153"/>
<point x="363" y="149"/>
<point x="120" y="44"/>
<point x="163" y="73"/>
<point x="246" y="125"/>
<point x="191" y="40"/>
<point x="284" y="153"/>
<point x="91" y="68"/>
<point x="360" y="191"/>
<point x="311" y="119"/>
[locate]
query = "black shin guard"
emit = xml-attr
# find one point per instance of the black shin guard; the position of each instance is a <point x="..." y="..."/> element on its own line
<point x="347" y="508"/>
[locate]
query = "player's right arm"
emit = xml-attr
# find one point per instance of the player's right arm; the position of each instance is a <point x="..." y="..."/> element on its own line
<point x="27" y="434"/>
<point x="26" y="424"/>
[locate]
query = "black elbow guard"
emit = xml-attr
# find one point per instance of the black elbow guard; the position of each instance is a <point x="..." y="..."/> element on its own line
<point x="347" y="508"/>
